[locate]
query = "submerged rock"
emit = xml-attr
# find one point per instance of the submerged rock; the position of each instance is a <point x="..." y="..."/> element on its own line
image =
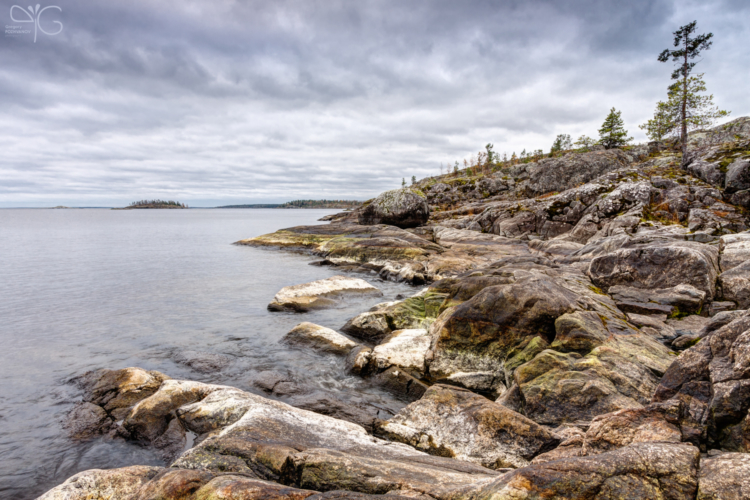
<point x="203" y="362"/>
<point x="116" y="391"/>
<point x="319" y="294"/>
<point x="86" y="421"/>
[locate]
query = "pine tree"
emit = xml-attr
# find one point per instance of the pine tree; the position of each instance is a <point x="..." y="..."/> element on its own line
<point x="561" y="143"/>
<point x="613" y="133"/>
<point x="700" y="111"/>
<point x="403" y="182"/>
<point x="490" y="153"/>
<point x="413" y="179"/>
<point x="688" y="47"/>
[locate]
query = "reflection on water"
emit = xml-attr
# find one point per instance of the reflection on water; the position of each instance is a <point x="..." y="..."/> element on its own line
<point x="160" y="289"/>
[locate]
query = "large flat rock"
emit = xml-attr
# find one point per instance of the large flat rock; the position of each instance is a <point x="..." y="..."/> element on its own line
<point x="320" y="293"/>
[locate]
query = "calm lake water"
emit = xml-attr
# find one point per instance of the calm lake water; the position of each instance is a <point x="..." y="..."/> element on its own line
<point x="87" y="289"/>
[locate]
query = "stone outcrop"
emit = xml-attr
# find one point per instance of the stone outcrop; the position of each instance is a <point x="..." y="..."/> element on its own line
<point x="319" y="294"/>
<point x="564" y="350"/>
<point x="402" y="208"/>
<point x="643" y="470"/>
<point x="712" y="379"/>
<point x="657" y="265"/>
<point x="453" y="422"/>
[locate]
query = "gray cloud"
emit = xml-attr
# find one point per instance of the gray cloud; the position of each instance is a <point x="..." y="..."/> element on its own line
<point x="232" y="101"/>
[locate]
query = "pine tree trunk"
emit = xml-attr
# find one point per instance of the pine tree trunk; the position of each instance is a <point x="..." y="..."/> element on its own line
<point x="683" y="113"/>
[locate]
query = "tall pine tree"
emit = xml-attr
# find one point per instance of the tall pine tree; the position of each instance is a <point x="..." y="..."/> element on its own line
<point x="613" y="133"/>
<point x="688" y="47"/>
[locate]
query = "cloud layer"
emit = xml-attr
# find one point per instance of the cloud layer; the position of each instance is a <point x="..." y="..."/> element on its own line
<point x="240" y="102"/>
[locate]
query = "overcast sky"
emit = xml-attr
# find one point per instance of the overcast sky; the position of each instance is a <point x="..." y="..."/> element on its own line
<point x="218" y="102"/>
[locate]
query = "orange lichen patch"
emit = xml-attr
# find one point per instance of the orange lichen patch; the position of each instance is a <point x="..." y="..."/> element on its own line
<point x="547" y="195"/>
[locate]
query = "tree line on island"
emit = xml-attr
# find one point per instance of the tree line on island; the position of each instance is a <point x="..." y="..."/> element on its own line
<point x="342" y="204"/>
<point x="686" y="108"/>
<point x="157" y="204"/>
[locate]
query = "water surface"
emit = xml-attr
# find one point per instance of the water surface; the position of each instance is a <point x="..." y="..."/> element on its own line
<point x="87" y="289"/>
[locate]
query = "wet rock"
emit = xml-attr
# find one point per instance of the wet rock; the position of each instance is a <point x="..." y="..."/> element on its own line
<point x="114" y="484"/>
<point x="86" y="421"/>
<point x="171" y="443"/>
<point x="319" y="294"/>
<point x="277" y="383"/>
<point x="150" y="418"/>
<point x="358" y="360"/>
<point x="725" y="477"/>
<point x="319" y="338"/>
<point x="658" y="265"/>
<point x="399" y="382"/>
<point x="457" y="423"/>
<point x="203" y="362"/>
<point x="370" y="326"/>
<point x="118" y="390"/>
<point x="400" y="207"/>
<point x="642" y="470"/>
<point x="404" y="349"/>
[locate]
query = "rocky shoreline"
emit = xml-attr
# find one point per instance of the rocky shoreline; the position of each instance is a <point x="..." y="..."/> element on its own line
<point x="582" y="332"/>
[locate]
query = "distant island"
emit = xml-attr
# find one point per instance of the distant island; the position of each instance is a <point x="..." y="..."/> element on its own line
<point x="153" y="204"/>
<point x="339" y="204"/>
